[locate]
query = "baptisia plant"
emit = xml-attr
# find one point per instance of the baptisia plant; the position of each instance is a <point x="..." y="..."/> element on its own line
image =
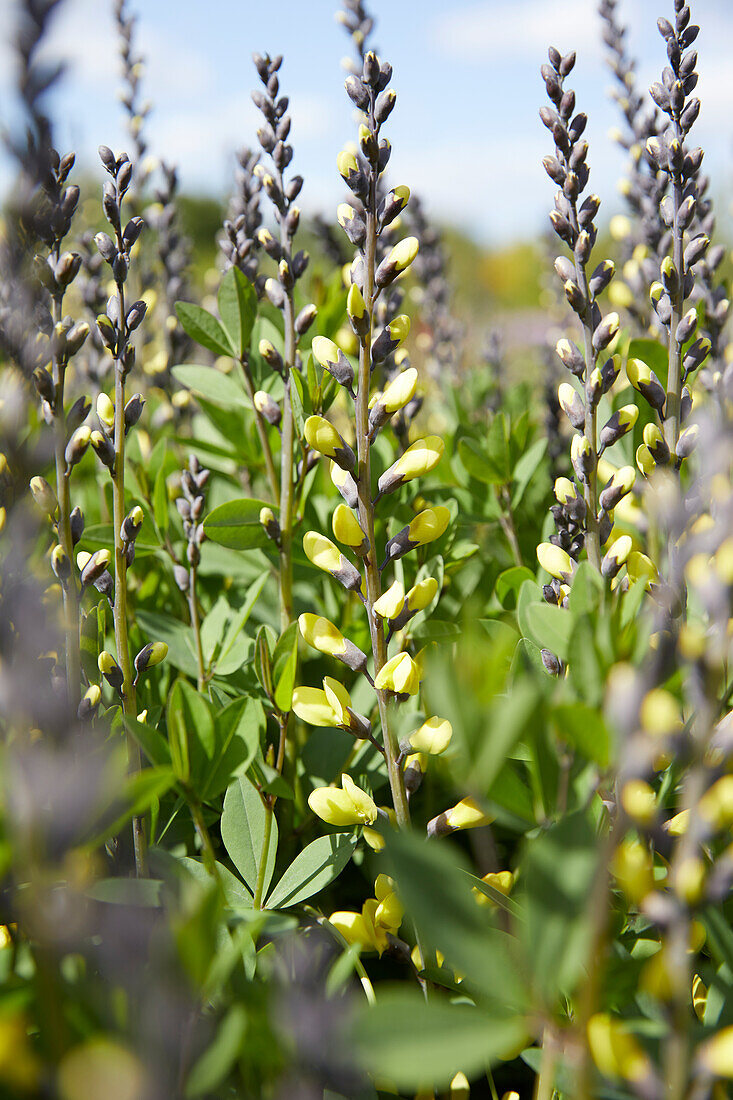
<point x="362" y="556"/>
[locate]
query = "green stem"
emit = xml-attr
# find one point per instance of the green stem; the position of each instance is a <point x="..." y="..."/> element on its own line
<point x="120" y="603"/>
<point x="196" y="627"/>
<point x="506" y="519"/>
<point x="674" y="374"/>
<point x="261" y="432"/>
<point x="63" y="473"/>
<point x="207" y="847"/>
<point x="366" y="512"/>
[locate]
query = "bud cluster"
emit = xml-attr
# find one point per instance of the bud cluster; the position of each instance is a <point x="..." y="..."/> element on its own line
<point x="240" y="244"/>
<point x="687" y="245"/>
<point x="642" y="236"/>
<point x="573" y="220"/>
<point x="191" y="507"/>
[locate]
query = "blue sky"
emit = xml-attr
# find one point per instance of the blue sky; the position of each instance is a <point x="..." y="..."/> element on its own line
<point x="465" y="131"/>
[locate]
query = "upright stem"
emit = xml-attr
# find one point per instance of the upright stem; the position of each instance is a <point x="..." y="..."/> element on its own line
<point x="674" y="374"/>
<point x="196" y="627"/>
<point x="366" y="515"/>
<point x="262" y="433"/>
<point x="70" y="594"/>
<point x="592" y="537"/>
<point x="287" y="449"/>
<point x="120" y="604"/>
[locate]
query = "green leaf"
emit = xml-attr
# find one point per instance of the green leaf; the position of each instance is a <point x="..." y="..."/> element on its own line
<point x="238" y="728"/>
<point x="236" y="894"/>
<point x="312" y="870"/>
<point x="557" y="925"/>
<point x="153" y="744"/>
<point x="296" y="401"/>
<point x="449" y="919"/>
<point x="263" y="660"/>
<point x="239" y="620"/>
<point x="526" y="468"/>
<point x="584" y="663"/>
<point x="210" y="1070"/>
<point x="478" y="464"/>
<point x="415" y="1044"/>
<point x="160" y="501"/>
<point x="237" y="304"/>
<point x="285" y="667"/>
<point x="586" y="590"/>
<point x="583" y="727"/>
<point x="142" y="892"/>
<point x="212" y="384"/>
<point x="89" y="643"/>
<point x="510" y="581"/>
<point x="549" y="627"/>
<point x="244" y="825"/>
<point x="204" y="328"/>
<point x="190" y="732"/>
<point x="236" y="524"/>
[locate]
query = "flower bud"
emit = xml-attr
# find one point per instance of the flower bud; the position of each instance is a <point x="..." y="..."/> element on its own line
<point x="321" y="634"/>
<point x="324" y="555"/>
<point x="399" y="259"/>
<point x="267" y="407"/>
<point x="391" y="602"/>
<point x="390" y="338"/>
<point x="419" y="459"/>
<point x="555" y="561"/>
<point x="110" y="670"/>
<point x="44" y="495"/>
<point x="345" y="484"/>
<point x="329" y="356"/>
<point x="150" y="655"/>
<point x="347" y="530"/>
<point x="466" y="814"/>
<point x="89" y="703"/>
<point x="77" y="445"/>
<point x="269" y="521"/>
<point x="321" y="436"/>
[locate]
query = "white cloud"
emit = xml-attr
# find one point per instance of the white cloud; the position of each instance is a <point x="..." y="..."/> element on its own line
<point x="489" y="30"/>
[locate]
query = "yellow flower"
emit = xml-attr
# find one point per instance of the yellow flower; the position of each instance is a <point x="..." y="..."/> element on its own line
<point x="615" y="1050"/>
<point x="346" y="527"/>
<point x="321" y="634"/>
<point x="399" y="391"/>
<point x="313" y="707"/>
<point x="501" y="881"/>
<point x="429" y="525"/>
<point x="422" y="457"/>
<point x="391" y="602"/>
<point x="347" y="806"/>
<point x="400" y="674"/>
<point x="555" y="561"/>
<point x="466" y="814"/>
<point x="421" y="594"/>
<point x="433" y="737"/>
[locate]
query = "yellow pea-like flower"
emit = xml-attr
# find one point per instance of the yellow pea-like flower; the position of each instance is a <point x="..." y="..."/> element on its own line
<point x="555" y="561"/>
<point x="400" y="390"/>
<point x="346" y="527"/>
<point x="616" y="1052"/>
<point x="429" y="525"/>
<point x="422" y="594"/>
<point x="400" y="674"/>
<point x="433" y="736"/>
<point x="419" y="459"/>
<point x="338" y="698"/>
<point x="354" y="928"/>
<point x="349" y="805"/>
<point x="313" y="707"/>
<point x="322" y="634"/>
<point x="391" y="602"/>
